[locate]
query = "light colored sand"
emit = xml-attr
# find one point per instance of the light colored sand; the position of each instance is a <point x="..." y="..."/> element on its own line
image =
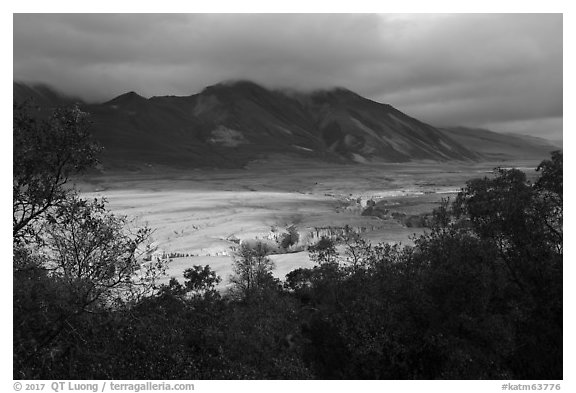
<point x="284" y="264"/>
<point x="194" y="212"/>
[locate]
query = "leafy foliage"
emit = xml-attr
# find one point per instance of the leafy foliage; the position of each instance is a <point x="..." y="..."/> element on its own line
<point x="323" y="252"/>
<point x="71" y="256"/>
<point x="290" y="238"/>
<point x="46" y="154"/>
<point x="201" y="280"/>
<point x="252" y="271"/>
<point x="478" y="296"/>
<point x="89" y="248"/>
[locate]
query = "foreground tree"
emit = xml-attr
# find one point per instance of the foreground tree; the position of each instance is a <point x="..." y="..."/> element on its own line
<point x="93" y="250"/>
<point x="323" y="252"/>
<point x="46" y="153"/>
<point x="252" y="271"/>
<point x="478" y="296"/>
<point x="71" y="256"/>
<point x="201" y="281"/>
<point x="290" y="238"/>
<point x="522" y="223"/>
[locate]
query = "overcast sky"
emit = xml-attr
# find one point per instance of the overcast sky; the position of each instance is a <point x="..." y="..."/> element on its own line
<point x="499" y="71"/>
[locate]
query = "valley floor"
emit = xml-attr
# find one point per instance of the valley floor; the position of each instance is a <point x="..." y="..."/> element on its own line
<point x="199" y="213"/>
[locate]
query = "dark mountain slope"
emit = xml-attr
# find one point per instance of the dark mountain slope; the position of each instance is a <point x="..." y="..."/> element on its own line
<point x="230" y="124"/>
<point x="41" y="95"/>
<point x="350" y="123"/>
<point x="262" y="117"/>
<point x="134" y="130"/>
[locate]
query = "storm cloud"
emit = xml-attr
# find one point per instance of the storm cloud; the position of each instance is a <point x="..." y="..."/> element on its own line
<point x="502" y="71"/>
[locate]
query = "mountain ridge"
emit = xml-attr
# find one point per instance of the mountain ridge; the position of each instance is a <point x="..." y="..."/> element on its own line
<point x="42" y="94"/>
<point x="230" y="124"/>
<point x="501" y="146"/>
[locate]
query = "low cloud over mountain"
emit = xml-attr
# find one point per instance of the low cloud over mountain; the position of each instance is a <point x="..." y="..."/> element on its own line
<point x="496" y="71"/>
<point x="230" y="124"/>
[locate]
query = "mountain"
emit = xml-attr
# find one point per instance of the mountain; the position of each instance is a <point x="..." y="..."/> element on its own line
<point x="499" y="146"/>
<point x="231" y="124"/>
<point x="41" y="95"/>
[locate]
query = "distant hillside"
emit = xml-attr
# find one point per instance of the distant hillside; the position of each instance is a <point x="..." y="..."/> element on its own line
<point x="41" y="95"/>
<point x="231" y="124"/>
<point x="498" y="146"/>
